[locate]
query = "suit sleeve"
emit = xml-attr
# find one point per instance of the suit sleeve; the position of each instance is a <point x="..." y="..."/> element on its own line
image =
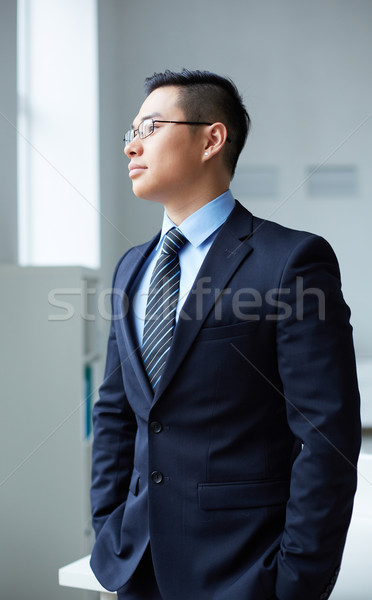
<point x="317" y="368"/>
<point x="115" y="428"/>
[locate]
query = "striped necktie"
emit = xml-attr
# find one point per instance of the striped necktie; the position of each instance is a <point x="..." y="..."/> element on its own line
<point x="161" y="306"/>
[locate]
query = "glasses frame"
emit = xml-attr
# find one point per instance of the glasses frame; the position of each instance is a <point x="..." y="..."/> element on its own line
<point x="131" y="133"/>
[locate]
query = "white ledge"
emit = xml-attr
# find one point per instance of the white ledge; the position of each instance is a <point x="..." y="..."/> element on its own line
<point x="78" y="574"/>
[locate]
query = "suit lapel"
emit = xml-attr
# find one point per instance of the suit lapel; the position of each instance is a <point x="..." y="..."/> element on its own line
<point x="227" y="252"/>
<point x="125" y="283"/>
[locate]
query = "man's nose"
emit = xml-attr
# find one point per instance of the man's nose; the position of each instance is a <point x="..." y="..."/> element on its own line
<point x="134" y="147"/>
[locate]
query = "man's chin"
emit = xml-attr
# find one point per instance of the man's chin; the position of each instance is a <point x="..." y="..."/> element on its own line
<point x="146" y="195"/>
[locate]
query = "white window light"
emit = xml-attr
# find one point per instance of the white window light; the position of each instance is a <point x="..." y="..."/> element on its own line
<point x="58" y="182"/>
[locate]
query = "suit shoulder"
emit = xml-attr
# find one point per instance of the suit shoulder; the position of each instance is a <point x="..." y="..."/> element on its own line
<point x="132" y="255"/>
<point x="265" y="228"/>
<point x="280" y="245"/>
<point x="279" y="236"/>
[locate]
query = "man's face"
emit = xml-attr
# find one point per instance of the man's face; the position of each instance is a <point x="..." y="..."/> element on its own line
<point x="165" y="165"/>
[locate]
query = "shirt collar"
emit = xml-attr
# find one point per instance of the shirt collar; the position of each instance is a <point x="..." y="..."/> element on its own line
<point x="203" y="222"/>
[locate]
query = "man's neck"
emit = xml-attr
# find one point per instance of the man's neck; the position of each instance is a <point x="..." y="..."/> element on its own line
<point x="179" y="209"/>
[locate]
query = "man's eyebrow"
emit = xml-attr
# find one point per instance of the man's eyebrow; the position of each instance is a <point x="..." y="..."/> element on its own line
<point x="155" y="114"/>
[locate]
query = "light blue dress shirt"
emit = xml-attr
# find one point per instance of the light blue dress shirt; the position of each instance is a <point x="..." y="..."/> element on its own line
<point x="200" y="229"/>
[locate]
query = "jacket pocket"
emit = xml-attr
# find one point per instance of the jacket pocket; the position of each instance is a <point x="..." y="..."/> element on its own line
<point x="241" y="495"/>
<point x="228" y="331"/>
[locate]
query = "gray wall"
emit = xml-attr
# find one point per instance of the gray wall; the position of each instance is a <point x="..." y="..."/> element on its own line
<point x="304" y="71"/>
<point x="8" y="133"/>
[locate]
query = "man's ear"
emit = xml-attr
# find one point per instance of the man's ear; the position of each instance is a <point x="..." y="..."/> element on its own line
<point x="216" y="136"/>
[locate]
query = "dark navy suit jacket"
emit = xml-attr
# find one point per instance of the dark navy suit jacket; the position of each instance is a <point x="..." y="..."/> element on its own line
<point x="241" y="469"/>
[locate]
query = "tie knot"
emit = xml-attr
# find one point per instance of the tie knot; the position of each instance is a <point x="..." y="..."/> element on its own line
<point x="173" y="241"/>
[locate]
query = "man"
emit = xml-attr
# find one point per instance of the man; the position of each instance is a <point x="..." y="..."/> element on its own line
<point x="227" y="429"/>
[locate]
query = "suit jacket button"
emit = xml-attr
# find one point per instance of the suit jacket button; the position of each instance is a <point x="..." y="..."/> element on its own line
<point x="156" y="427"/>
<point x="157" y="477"/>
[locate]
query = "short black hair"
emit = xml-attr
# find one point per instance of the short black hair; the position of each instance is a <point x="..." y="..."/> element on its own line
<point x="206" y="96"/>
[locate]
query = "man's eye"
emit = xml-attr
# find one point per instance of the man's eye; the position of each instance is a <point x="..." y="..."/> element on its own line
<point x="148" y="127"/>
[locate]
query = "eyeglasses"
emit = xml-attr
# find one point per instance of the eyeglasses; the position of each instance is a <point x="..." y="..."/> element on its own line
<point x="147" y="127"/>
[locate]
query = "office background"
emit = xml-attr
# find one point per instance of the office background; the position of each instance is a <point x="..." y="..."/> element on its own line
<point x="304" y="71"/>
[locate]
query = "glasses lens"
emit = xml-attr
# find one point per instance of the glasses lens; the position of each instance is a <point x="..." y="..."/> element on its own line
<point x="145" y="128"/>
<point x="128" y="137"/>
